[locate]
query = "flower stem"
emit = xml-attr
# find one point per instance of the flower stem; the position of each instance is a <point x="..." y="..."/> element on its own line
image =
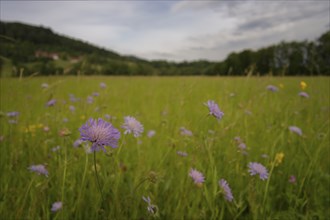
<point x="97" y="177"/>
<point x="83" y="180"/>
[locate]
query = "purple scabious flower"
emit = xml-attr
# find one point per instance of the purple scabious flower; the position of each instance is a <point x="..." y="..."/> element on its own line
<point x="12" y="114"/>
<point x="72" y="98"/>
<point x="46" y="128"/>
<point x="272" y="88"/>
<point x="100" y="133"/>
<point x="226" y="190"/>
<point x="95" y="94"/>
<point x="54" y="149"/>
<point x="237" y="139"/>
<point x="90" y="99"/>
<point x="77" y="143"/>
<point x="257" y="168"/>
<point x="131" y="125"/>
<point x="292" y="179"/>
<point x="182" y="153"/>
<point x="151" y="208"/>
<point x="103" y="85"/>
<point x="151" y="133"/>
<point x="56" y="206"/>
<point x="185" y="132"/>
<point x="196" y="176"/>
<point x="72" y="108"/>
<point x="39" y="169"/>
<point x="242" y="146"/>
<point x="51" y="102"/>
<point x="214" y="109"/>
<point x="107" y="116"/>
<point x="296" y="130"/>
<point x="303" y="94"/>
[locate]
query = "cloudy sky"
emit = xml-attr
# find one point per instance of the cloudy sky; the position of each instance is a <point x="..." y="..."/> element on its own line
<point x="176" y="30"/>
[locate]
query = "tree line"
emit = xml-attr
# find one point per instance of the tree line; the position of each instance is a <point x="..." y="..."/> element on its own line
<point x="20" y="43"/>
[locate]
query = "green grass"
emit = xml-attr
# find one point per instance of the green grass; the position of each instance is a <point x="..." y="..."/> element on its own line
<point x="150" y="166"/>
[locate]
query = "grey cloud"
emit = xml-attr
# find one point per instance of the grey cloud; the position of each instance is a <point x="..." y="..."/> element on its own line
<point x="183" y="30"/>
<point x="256" y="24"/>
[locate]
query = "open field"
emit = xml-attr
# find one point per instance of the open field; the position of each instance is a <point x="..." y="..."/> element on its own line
<point x="297" y="165"/>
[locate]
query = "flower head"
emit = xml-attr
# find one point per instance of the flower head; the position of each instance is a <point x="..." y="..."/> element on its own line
<point x="279" y="158"/>
<point x="12" y="114"/>
<point x="272" y="88"/>
<point x="56" y="206"/>
<point x="54" y="149"/>
<point x="257" y="168"/>
<point x="72" y="108"/>
<point x="292" y="179"/>
<point x="303" y="85"/>
<point x="39" y="169"/>
<point x="90" y="99"/>
<point x="46" y="128"/>
<point x="241" y="146"/>
<point x="182" y="153"/>
<point x="77" y="143"/>
<point x="131" y="125"/>
<point x="73" y="98"/>
<point x="51" y="102"/>
<point x="196" y="176"/>
<point x="100" y="133"/>
<point x="214" y="109"/>
<point x="107" y="116"/>
<point x="185" y="132"/>
<point x="44" y="85"/>
<point x="226" y="190"/>
<point x="151" y="208"/>
<point x="64" y="132"/>
<point x="103" y="85"/>
<point x="238" y="139"/>
<point x="303" y="94"/>
<point x="151" y="133"/>
<point x="296" y="130"/>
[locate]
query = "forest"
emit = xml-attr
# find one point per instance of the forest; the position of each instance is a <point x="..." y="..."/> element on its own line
<point x="27" y="49"/>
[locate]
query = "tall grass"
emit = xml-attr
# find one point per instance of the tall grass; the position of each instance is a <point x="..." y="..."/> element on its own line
<point x="151" y="166"/>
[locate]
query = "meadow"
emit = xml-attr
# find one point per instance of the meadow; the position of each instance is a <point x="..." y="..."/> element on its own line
<point x="150" y="176"/>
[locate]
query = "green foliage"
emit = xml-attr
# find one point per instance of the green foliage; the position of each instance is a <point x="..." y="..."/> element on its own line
<point x="21" y="42"/>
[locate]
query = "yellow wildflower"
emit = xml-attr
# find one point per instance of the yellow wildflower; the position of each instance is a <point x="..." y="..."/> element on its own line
<point x="303" y="85"/>
<point x="30" y="128"/>
<point x="279" y="158"/>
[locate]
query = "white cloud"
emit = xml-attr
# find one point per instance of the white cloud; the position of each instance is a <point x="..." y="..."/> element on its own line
<point x="178" y="30"/>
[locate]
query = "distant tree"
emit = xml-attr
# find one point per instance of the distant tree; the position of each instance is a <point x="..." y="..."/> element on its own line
<point x="323" y="48"/>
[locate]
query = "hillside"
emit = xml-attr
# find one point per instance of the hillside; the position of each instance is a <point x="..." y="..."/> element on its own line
<point x="38" y="50"/>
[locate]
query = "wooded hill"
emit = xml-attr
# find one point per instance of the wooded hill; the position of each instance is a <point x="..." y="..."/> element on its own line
<point x="38" y="50"/>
